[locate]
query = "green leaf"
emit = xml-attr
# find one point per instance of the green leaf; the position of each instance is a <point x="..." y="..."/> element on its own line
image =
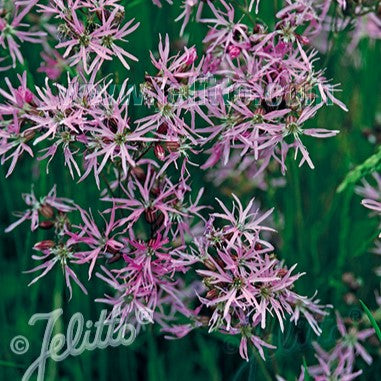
<point x="370" y="165"/>
<point x="307" y="376"/>
<point x="372" y="320"/>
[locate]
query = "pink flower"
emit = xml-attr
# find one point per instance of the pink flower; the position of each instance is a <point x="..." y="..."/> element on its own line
<point x="372" y="194"/>
<point x="244" y="224"/>
<point x="350" y="342"/>
<point x="101" y="242"/>
<point x="234" y="51"/>
<point x="52" y="254"/>
<point x="15" y="134"/>
<point x="189" y="6"/>
<point x="52" y="65"/>
<point x="258" y="343"/>
<point x="13" y="143"/>
<point x="152" y="197"/>
<point x="19" y="99"/>
<point x="225" y="31"/>
<point x="90" y="44"/>
<point x="11" y="30"/>
<point x="37" y="208"/>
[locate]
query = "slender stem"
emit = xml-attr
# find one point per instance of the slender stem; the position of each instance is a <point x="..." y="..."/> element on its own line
<point x="104" y="178"/>
<point x="138" y="158"/>
<point x="262" y="366"/>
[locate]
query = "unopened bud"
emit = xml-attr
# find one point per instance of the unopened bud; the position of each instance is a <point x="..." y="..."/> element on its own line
<point x="139" y="173"/>
<point x="28" y="135"/>
<point x="211" y="294"/>
<point x="282" y="272"/>
<point x="46" y="225"/>
<point x="150" y="215"/>
<point x="209" y="264"/>
<point x="113" y="246"/>
<point x="350" y="298"/>
<point x="159" y="152"/>
<point x="172" y="146"/>
<point x="44" y="245"/>
<point x="163" y="129"/>
<point x="234" y="51"/>
<point x="302" y="39"/>
<point x="46" y="211"/>
<point x="158" y="223"/>
<point x="204" y="320"/>
<point x="114" y="258"/>
<point x="155" y="191"/>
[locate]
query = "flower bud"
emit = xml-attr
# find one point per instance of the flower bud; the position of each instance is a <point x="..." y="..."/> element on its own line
<point x="302" y="39"/>
<point x="172" y="146"/>
<point x="204" y="320"/>
<point x="350" y="280"/>
<point x="234" y="51"/>
<point x="159" y="152"/>
<point x="282" y="272"/>
<point x="350" y="298"/>
<point x="211" y="294"/>
<point x="46" y="211"/>
<point x="46" y="225"/>
<point x="114" y="258"/>
<point x="150" y="215"/>
<point x="155" y="190"/>
<point x="209" y="264"/>
<point x="44" y="245"/>
<point x="158" y="223"/>
<point x="28" y="135"/>
<point x="191" y="56"/>
<point x="139" y="173"/>
<point x="258" y="28"/>
<point x="113" y="246"/>
<point x="163" y="129"/>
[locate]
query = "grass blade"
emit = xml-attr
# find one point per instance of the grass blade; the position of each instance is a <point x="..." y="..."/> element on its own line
<point x="372" y="320"/>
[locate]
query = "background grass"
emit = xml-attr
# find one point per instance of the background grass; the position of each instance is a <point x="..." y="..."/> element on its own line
<point x="326" y="233"/>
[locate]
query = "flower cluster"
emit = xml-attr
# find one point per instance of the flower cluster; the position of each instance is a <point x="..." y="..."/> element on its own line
<point x="246" y="283"/>
<point x="250" y="95"/>
<point x="87" y="122"/>
<point x="314" y="20"/>
<point x="50" y="213"/>
<point x="90" y="32"/>
<point x="273" y="86"/>
<point x="243" y="283"/>
<point x="242" y="105"/>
